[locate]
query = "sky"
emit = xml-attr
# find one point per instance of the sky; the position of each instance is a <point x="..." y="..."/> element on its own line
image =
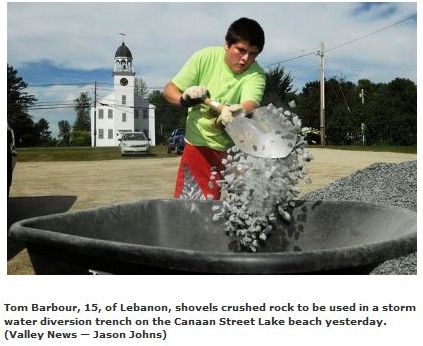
<point x="61" y="49"/>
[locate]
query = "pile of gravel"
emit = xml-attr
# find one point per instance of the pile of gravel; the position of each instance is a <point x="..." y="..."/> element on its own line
<point x="386" y="184"/>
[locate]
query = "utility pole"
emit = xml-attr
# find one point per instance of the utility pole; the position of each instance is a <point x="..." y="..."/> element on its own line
<point x="321" y="53"/>
<point x="362" y="96"/>
<point x="363" y="125"/>
<point x="95" y="113"/>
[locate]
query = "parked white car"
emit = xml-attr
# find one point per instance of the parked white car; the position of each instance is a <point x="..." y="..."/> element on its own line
<point x="134" y="143"/>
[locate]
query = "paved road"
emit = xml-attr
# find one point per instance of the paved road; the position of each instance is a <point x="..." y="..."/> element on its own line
<point x="41" y="188"/>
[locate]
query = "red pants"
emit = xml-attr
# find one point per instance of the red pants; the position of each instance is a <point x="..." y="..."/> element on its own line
<point x="193" y="180"/>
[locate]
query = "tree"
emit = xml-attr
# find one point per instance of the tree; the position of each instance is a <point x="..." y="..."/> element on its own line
<point x="308" y="105"/>
<point x="389" y="111"/>
<point x="404" y="122"/>
<point x="82" y="108"/>
<point x="64" y="132"/>
<point x="168" y="117"/>
<point x="342" y="124"/>
<point x="80" y="138"/>
<point x="278" y="90"/>
<point x="82" y="127"/>
<point x="42" y="132"/>
<point x="401" y="109"/>
<point x="141" y="88"/>
<point x="18" y="102"/>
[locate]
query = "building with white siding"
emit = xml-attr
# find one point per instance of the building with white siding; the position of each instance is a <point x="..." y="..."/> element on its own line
<point x="122" y="110"/>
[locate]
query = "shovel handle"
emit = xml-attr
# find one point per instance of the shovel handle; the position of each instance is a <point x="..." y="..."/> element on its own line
<point x="217" y="106"/>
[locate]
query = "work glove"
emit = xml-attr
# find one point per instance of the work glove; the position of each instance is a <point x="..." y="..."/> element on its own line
<point x="193" y="96"/>
<point x="228" y="113"/>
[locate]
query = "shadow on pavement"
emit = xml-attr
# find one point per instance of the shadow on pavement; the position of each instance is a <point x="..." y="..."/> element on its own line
<point x="20" y="208"/>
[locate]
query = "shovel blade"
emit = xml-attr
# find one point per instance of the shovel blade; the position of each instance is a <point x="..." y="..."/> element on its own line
<point x="263" y="134"/>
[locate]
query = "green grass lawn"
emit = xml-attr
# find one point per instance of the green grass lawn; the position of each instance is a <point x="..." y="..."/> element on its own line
<point x="83" y="154"/>
<point x="113" y="153"/>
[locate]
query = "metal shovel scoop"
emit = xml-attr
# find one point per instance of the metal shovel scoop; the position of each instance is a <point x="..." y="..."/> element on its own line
<point x="265" y="132"/>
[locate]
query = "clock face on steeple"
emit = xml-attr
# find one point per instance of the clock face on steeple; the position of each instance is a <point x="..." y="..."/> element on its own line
<point x="123" y="81"/>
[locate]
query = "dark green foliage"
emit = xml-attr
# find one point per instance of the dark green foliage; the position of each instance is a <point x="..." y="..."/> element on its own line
<point x="168" y="117"/>
<point x="278" y="89"/>
<point x="80" y="138"/>
<point x="82" y="106"/>
<point x="308" y="105"/>
<point x="18" y="102"/>
<point x="388" y="111"/>
<point x="64" y="133"/>
<point x="42" y="133"/>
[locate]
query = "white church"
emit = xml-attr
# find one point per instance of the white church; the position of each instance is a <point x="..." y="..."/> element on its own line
<point x="122" y="110"/>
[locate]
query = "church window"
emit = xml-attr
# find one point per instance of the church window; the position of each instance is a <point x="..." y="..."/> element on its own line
<point x="124" y="99"/>
<point x="100" y="133"/>
<point x="124" y="117"/>
<point x="145" y="113"/>
<point x="136" y="113"/>
<point x="110" y="114"/>
<point x="110" y="134"/>
<point x="100" y="114"/>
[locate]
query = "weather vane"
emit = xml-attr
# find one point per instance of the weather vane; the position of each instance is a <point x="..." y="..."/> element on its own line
<point x="123" y="37"/>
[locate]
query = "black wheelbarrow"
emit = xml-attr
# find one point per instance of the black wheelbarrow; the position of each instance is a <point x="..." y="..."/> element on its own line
<point x="169" y="236"/>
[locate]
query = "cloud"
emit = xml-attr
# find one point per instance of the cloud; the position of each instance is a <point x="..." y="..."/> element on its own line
<point x="162" y="35"/>
<point x="75" y="42"/>
<point x="55" y="103"/>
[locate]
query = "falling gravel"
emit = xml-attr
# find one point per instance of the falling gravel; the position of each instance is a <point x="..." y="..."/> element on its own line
<point x="385" y="184"/>
<point x="259" y="191"/>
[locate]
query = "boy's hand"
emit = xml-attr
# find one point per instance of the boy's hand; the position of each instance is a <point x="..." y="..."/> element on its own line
<point x="193" y="96"/>
<point x="228" y="113"/>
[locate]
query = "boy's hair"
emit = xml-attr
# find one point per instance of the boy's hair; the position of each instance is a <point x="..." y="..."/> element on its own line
<point x="245" y="29"/>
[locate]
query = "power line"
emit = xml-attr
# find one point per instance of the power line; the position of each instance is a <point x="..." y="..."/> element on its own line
<point x="372" y="33"/>
<point x="290" y="59"/>
<point x="55" y="84"/>
<point x="52" y="107"/>
<point x="345" y="43"/>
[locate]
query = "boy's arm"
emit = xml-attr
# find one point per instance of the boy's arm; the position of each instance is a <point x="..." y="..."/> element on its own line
<point x="249" y="106"/>
<point x="172" y="93"/>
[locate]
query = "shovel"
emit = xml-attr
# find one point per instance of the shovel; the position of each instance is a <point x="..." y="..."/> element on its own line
<point x="265" y="132"/>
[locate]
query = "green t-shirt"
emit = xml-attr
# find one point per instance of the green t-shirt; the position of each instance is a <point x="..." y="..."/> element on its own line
<point x="208" y="68"/>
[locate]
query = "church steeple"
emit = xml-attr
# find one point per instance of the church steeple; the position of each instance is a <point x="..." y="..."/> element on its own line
<point x="123" y="60"/>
